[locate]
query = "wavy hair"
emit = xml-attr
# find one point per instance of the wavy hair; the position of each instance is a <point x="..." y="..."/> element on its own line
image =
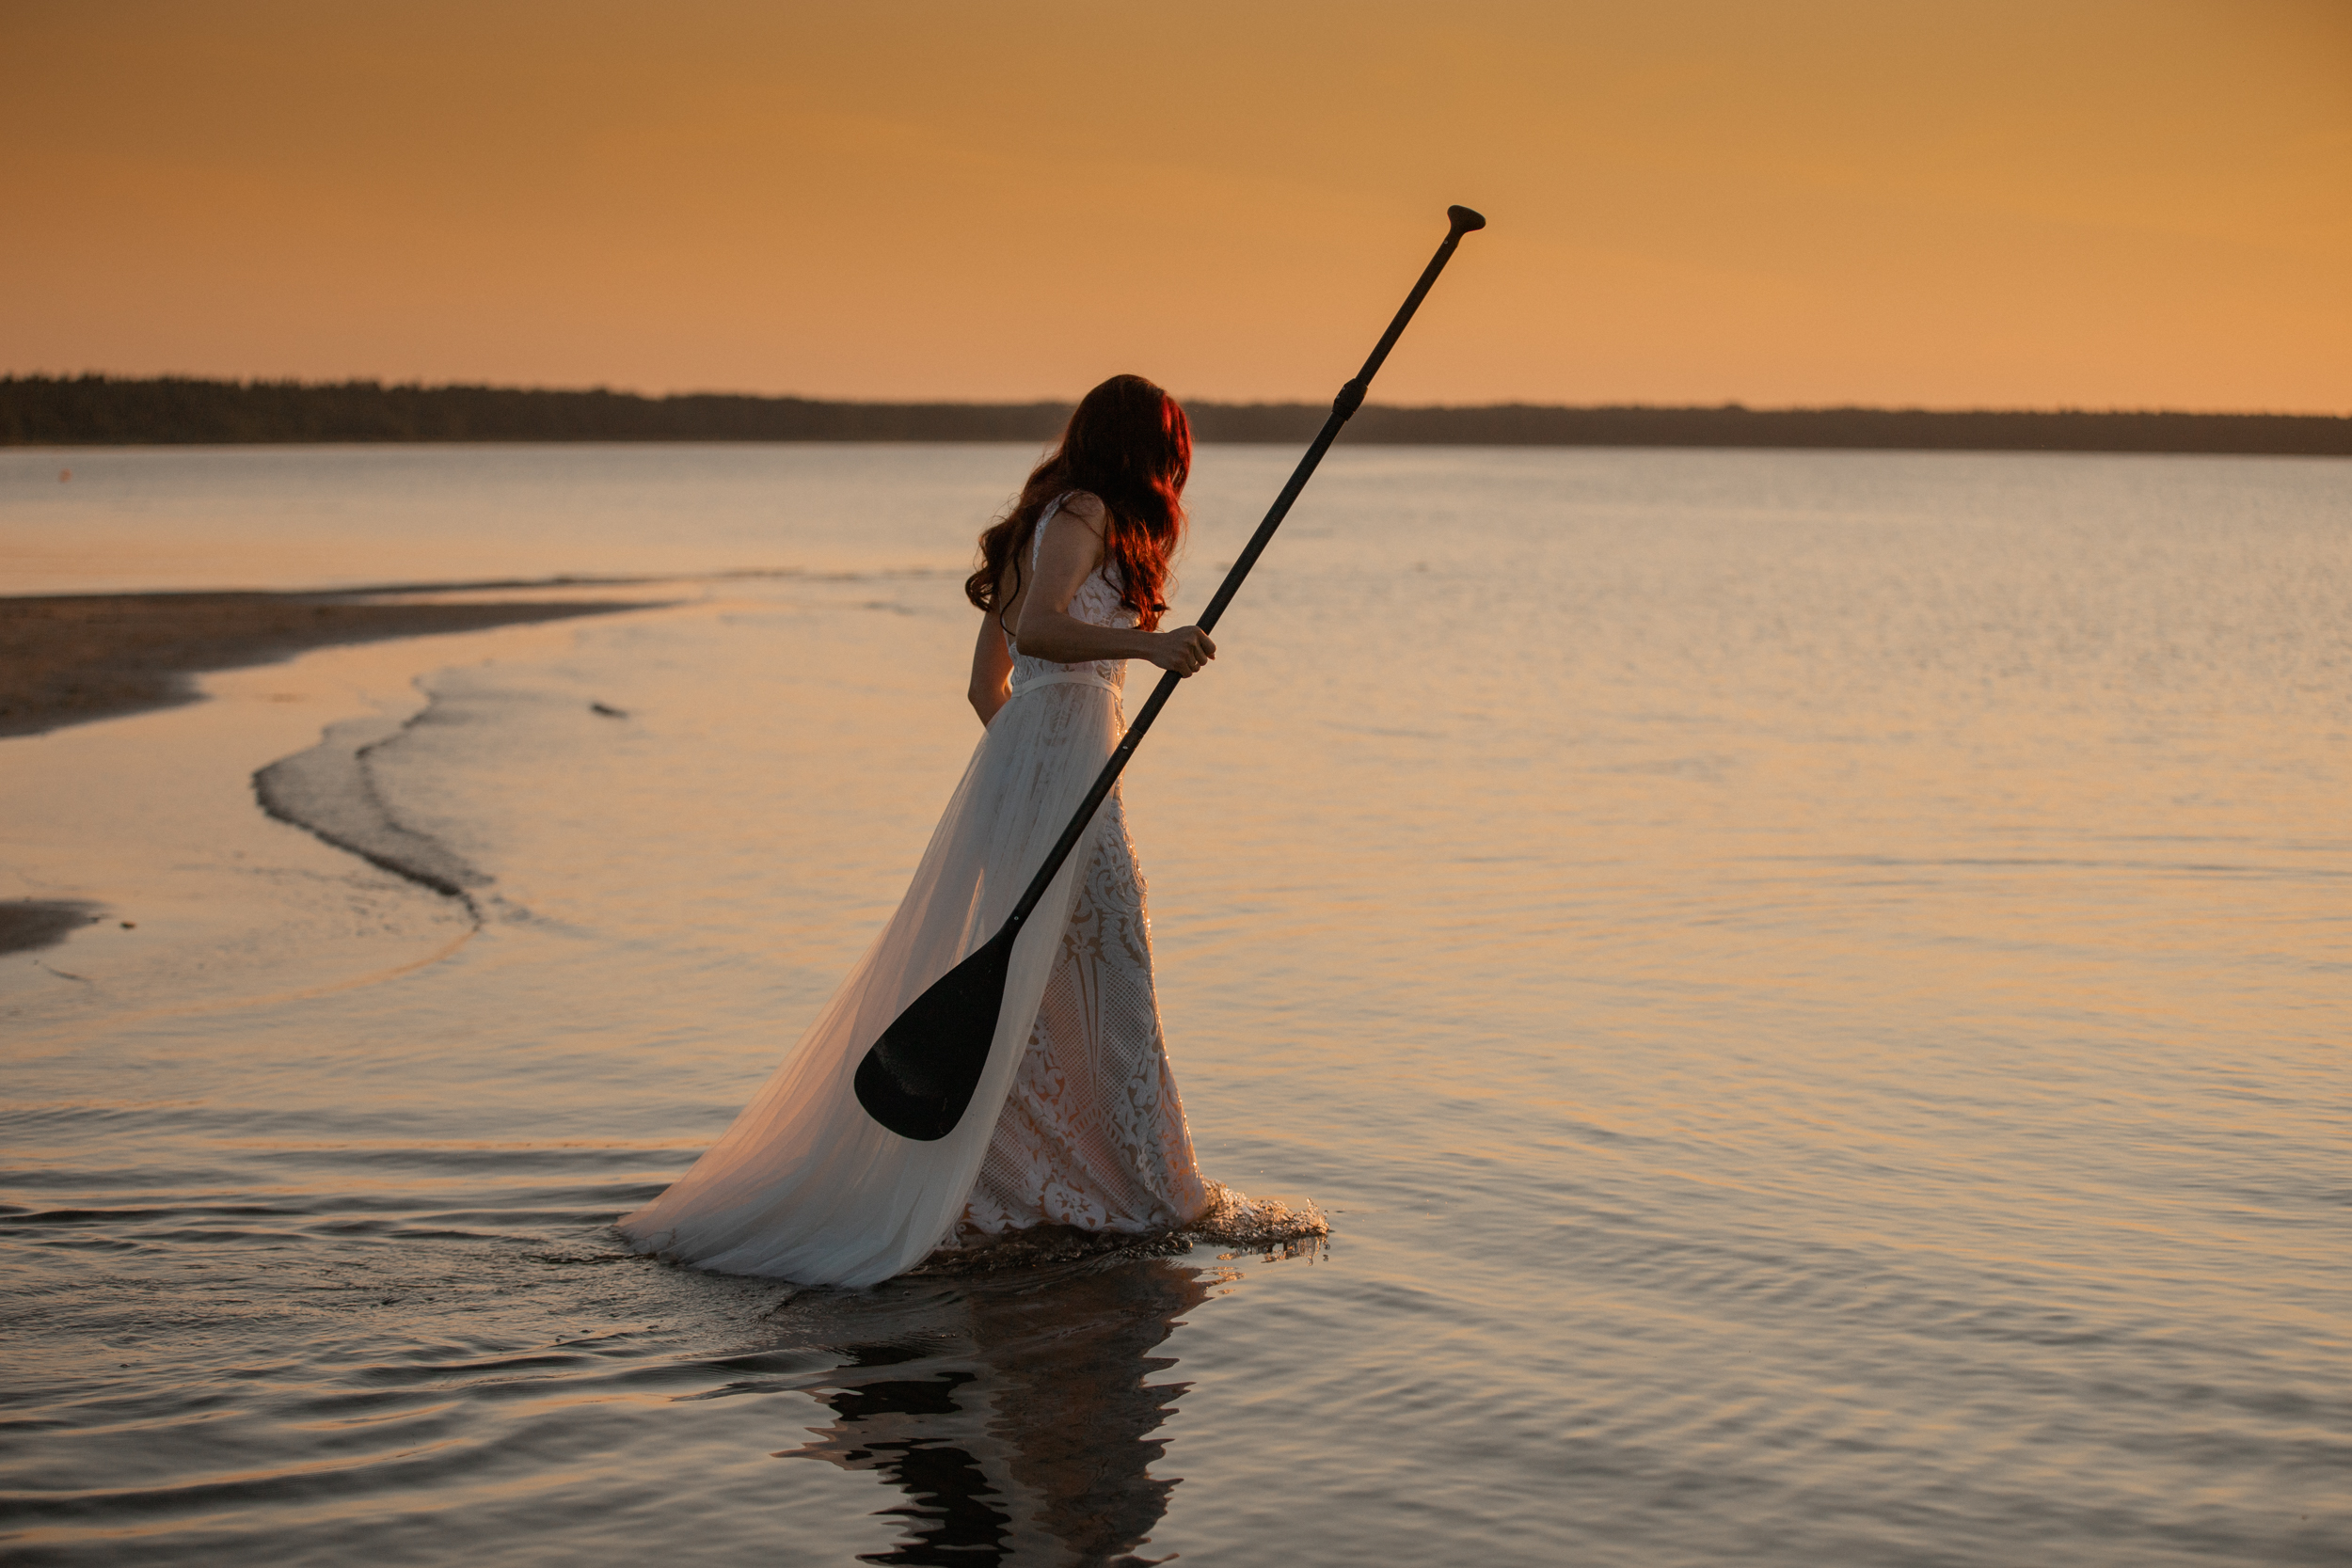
<point x="1130" y="446"/>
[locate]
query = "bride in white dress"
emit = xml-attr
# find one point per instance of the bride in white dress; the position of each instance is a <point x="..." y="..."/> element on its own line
<point x="1076" y="1121"/>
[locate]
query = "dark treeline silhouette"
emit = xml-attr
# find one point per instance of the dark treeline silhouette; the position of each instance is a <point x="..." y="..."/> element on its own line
<point x="93" y="410"/>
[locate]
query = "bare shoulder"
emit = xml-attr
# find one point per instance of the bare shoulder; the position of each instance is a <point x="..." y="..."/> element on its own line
<point x="1086" y="507"/>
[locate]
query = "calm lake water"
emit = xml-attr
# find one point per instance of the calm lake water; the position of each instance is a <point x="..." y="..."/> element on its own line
<point x="1815" y="988"/>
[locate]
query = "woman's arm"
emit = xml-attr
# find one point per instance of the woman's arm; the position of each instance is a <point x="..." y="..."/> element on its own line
<point x="991" y="669"/>
<point x="1045" y="629"/>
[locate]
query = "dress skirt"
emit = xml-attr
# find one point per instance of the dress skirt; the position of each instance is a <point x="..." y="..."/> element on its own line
<point x="1076" y="1120"/>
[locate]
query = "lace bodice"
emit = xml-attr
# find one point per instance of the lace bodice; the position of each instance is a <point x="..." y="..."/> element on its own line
<point x="1096" y="603"/>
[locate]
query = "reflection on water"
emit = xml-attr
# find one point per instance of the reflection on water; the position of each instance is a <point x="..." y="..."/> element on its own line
<point x="1812" y="985"/>
<point x="1019" y="1419"/>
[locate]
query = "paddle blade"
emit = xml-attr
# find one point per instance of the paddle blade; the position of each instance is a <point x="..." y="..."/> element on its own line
<point x="919" y="1076"/>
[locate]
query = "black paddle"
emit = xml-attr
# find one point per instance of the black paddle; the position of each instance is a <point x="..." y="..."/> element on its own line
<point x="920" y="1076"/>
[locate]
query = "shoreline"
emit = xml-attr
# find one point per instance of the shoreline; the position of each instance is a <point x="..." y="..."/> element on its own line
<point x="29" y="924"/>
<point x="68" y="660"/>
<point x="73" y="659"/>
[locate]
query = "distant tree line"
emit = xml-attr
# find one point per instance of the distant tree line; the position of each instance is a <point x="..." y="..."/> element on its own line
<point x="94" y="410"/>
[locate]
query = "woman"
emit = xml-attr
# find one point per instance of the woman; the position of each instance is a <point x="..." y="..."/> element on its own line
<point x="1075" y="1121"/>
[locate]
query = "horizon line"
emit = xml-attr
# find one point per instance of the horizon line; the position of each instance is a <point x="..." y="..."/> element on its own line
<point x="605" y="389"/>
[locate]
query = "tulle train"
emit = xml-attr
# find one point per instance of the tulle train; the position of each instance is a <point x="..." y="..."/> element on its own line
<point x="804" y="1185"/>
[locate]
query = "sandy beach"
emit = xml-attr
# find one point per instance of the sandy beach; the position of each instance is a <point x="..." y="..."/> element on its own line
<point x="73" y="659"/>
<point x="70" y="659"/>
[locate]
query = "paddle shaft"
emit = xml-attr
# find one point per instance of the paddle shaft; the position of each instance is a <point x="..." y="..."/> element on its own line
<point x="1351" y="397"/>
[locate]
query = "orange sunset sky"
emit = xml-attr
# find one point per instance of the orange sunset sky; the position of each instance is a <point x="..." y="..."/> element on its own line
<point x="2098" y="204"/>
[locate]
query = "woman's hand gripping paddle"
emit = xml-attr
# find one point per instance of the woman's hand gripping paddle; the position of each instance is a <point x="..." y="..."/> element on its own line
<point x="919" y="1076"/>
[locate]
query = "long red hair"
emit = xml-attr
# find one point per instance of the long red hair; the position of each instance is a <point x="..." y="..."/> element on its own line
<point x="1130" y="446"/>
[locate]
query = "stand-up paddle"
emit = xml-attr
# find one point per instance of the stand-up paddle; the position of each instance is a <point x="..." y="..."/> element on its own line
<point x="919" y="1076"/>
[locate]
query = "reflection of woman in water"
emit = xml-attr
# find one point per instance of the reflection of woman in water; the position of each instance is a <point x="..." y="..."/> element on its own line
<point x="1076" y="1120"/>
<point x="1031" y="1441"/>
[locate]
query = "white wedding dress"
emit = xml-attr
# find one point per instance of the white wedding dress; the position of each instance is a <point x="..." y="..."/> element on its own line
<point x="1075" y="1121"/>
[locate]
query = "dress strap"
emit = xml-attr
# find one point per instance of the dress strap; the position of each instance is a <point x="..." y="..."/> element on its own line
<point x="1037" y="535"/>
<point x="1037" y="548"/>
<point x="1065" y="677"/>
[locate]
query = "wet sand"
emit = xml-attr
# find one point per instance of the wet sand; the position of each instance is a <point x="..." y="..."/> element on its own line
<point x="27" y="925"/>
<point x="73" y="659"/>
